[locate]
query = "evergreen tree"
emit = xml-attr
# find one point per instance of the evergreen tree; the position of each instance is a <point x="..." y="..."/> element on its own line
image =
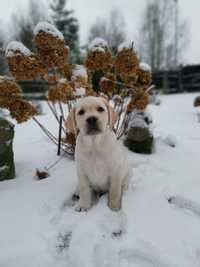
<point x="68" y="25"/>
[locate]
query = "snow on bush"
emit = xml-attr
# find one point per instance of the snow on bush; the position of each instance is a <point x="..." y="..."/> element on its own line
<point x="125" y="45"/>
<point x="48" y="28"/>
<point x="14" y="47"/>
<point x="80" y="91"/>
<point x="98" y="42"/>
<point x="79" y="71"/>
<point x="145" y="67"/>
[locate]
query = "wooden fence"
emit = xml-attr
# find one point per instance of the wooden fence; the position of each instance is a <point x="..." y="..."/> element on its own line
<point x="185" y="79"/>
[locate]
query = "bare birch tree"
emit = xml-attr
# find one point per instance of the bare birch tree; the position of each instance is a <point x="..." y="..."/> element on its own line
<point x="157" y="40"/>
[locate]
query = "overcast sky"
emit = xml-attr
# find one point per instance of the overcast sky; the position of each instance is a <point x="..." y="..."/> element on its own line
<point x="88" y="10"/>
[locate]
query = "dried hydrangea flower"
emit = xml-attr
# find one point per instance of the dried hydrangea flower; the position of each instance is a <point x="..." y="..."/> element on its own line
<point x="126" y="61"/>
<point x="62" y="92"/>
<point x="21" y="110"/>
<point x="99" y="56"/>
<point x="23" y="64"/>
<point x="47" y="37"/>
<point x="144" y="75"/>
<point x="138" y="101"/>
<point x="54" y="57"/>
<point x="107" y="84"/>
<point x="9" y="90"/>
<point x="79" y="76"/>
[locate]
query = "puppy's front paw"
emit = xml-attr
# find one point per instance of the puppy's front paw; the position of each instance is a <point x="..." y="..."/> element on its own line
<point x="114" y="205"/>
<point x="80" y="207"/>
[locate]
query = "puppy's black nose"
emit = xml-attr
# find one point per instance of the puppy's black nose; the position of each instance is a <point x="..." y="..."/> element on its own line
<point x="92" y="121"/>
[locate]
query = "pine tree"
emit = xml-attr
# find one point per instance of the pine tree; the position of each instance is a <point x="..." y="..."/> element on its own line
<point x="68" y="25"/>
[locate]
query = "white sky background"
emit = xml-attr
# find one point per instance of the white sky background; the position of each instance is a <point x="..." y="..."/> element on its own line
<point x="88" y="10"/>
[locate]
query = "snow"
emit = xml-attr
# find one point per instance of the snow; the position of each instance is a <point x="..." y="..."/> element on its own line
<point x="80" y="91"/>
<point x="159" y="221"/>
<point x="145" y="67"/>
<point x="98" y="42"/>
<point x="170" y="140"/>
<point x="62" y="80"/>
<point x="48" y="28"/>
<point x="3" y="168"/>
<point x="141" y="119"/>
<point x="125" y="45"/>
<point x="79" y="71"/>
<point x="97" y="49"/>
<point x="14" y="46"/>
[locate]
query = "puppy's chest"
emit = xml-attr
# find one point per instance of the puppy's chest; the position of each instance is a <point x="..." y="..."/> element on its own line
<point x="97" y="168"/>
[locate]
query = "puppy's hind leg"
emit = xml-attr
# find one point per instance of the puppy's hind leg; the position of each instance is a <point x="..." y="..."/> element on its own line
<point x="115" y="194"/>
<point x="85" y="194"/>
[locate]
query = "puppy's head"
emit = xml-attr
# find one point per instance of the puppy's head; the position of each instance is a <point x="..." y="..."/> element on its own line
<point x="91" y="116"/>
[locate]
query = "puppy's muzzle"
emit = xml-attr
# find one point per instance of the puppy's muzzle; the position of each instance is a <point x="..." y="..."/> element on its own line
<point x="92" y="125"/>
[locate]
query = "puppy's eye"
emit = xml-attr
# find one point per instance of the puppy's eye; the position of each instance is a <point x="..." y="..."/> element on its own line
<point x="81" y="112"/>
<point x="100" y="109"/>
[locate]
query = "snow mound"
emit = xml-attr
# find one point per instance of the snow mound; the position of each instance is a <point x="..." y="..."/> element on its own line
<point x="14" y="47"/>
<point x="48" y="28"/>
<point x="98" y="43"/>
<point x="170" y="140"/>
<point x="145" y="67"/>
<point x="97" y="49"/>
<point x="125" y="45"/>
<point x="79" y="71"/>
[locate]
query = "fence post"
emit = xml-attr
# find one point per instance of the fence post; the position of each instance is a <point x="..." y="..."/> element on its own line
<point x="165" y="81"/>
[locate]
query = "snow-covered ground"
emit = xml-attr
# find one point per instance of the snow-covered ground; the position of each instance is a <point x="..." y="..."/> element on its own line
<point x="40" y="228"/>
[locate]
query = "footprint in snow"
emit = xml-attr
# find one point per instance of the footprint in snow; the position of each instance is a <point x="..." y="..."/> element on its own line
<point x="138" y="257"/>
<point x="185" y="204"/>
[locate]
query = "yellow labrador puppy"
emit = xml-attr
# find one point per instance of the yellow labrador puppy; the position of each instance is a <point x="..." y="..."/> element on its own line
<point x="99" y="159"/>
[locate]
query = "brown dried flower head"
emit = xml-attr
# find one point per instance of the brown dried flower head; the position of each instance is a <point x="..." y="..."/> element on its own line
<point x="196" y="101"/>
<point x="23" y="64"/>
<point x="62" y="92"/>
<point x="22" y="110"/>
<point x="70" y="139"/>
<point x="54" y="57"/>
<point x="107" y="84"/>
<point x="9" y="90"/>
<point x="144" y="75"/>
<point x="99" y="59"/>
<point x="126" y="61"/>
<point x="79" y="76"/>
<point x="138" y="101"/>
<point x="47" y="37"/>
<point x="67" y="71"/>
<point x="129" y="80"/>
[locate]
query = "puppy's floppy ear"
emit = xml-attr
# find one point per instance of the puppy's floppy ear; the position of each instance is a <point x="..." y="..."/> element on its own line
<point x="70" y="123"/>
<point x="112" y="114"/>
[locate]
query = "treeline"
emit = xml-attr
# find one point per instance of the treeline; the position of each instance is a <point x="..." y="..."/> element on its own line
<point x="155" y="42"/>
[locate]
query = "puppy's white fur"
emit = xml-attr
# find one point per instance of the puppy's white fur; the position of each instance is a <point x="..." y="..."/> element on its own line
<point x="100" y="163"/>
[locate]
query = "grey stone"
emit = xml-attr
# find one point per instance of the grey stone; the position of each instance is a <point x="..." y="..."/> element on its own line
<point x="139" y="137"/>
<point x="7" y="167"/>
